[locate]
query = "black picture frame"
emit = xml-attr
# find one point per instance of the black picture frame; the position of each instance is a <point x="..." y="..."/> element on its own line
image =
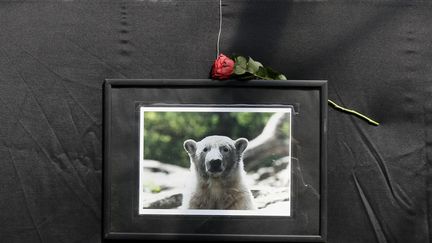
<point x="309" y="220"/>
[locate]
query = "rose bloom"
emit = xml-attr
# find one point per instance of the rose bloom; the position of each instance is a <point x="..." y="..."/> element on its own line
<point x="223" y="67"/>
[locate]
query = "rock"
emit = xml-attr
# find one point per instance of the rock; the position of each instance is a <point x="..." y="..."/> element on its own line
<point x="264" y="173"/>
<point x="277" y="176"/>
<point x="265" y="196"/>
<point x="165" y="200"/>
<point x="171" y="202"/>
<point x="255" y="192"/>
<point x="283" y="207"/>
<point x="158" y="176"/>
<point x="156" y="166"/>
<point x="164" y="185"/>
<point x="281" y="164"/>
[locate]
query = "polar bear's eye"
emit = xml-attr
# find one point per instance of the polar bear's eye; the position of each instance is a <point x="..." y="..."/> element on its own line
<point x="225" y="149"/>
<point x="205" y="149"/>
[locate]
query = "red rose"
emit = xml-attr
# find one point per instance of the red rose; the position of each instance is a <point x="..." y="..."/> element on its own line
<point x="223" y="67"/>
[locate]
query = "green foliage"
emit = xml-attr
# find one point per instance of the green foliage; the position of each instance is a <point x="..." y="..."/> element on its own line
<point x="165" y="132"/>
<point x="247" y="68"/>
<point x="240" y="65"/>
<point x="152" y="187"/>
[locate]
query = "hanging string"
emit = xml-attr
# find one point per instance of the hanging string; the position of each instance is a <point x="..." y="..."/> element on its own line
<point x="220" y="28"/>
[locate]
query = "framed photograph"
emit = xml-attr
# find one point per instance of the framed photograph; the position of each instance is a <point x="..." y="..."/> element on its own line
<point x="204" y="159"/>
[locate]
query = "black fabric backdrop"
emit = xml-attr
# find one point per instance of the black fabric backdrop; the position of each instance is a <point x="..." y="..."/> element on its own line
<point x="54" y="56"/>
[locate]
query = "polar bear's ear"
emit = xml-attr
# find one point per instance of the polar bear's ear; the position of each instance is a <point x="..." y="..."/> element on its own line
<point x="190" y="146"/>
<point x="241" y="144"/>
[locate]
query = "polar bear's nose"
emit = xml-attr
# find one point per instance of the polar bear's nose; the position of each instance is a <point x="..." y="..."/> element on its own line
<point x="215" y="165"/>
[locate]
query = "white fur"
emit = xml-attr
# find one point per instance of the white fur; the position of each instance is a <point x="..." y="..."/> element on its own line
<point x="229" y="192"/>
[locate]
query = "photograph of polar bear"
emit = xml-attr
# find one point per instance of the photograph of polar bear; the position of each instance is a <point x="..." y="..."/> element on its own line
<point x="219" y="176"/>
<point x="215" y="160"/>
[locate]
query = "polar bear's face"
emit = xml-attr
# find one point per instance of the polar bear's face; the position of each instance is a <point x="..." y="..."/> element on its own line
<point x="216" y="156"/>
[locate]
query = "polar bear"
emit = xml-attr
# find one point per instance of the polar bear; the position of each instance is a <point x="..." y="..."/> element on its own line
<point x="218" y="177"/>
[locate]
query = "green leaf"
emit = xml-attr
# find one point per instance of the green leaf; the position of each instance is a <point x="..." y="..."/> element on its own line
<point x="238" y="70"/>
<point x="240" y="65"/>
<point x="253" y="66"/>
<point x="281" y="77"/>
<point x="272" y="74"/>
<point x="246" y="76"/>
<point x="247" y="68"/>
<point x="261" y="73"/>
<point x="242" y="61"/>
